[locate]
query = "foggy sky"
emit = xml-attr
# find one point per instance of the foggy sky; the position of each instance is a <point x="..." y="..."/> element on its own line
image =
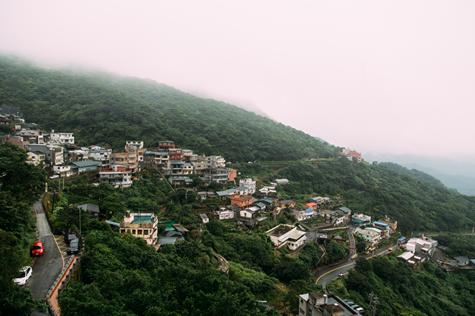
<point x="375" y="76"/>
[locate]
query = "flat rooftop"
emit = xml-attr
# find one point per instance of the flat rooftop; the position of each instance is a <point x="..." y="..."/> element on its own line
<point x="143" y="219"/>
<point x="281" y="230"/>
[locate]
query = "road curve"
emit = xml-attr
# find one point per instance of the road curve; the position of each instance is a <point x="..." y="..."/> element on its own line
<point x="48" y="266"/>
<point x="329" y="273"/>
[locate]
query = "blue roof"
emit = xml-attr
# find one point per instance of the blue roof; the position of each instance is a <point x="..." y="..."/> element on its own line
<point x="309" y="210"/>
<point x="381" y="224"/>
<point x="402" y="238"/>
<point x="113" y="223"/>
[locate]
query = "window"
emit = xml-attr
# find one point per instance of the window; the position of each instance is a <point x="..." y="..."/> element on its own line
<point x="139" y="232"/>
<point x="145" y="231"/>
<point x="122" y="231"/>
<point x="133" y="231"/>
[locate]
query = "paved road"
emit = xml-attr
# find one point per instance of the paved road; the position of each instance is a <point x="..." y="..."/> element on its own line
<point x="48" y="266"/>
<point x="327" y="274"/>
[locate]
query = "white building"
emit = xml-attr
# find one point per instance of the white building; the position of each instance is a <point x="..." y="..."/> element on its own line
<point x="62" y="138"/>
<point x="281" y="181"/>
<point x="36" y="158"/>
<point x="116" y="177"/>
<point x="53" y="153"/>
<point x="287" y="235"/>
<point x="204" y="218"/>
<point x="250" y="184"/>
<point x="225" y="215"/>
<point x="135" y="143"/>
<point x="101" y="154"/>
<point x="62" y="171"/>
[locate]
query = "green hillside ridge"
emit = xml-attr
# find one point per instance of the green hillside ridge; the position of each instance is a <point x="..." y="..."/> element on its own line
<point x="107" y="109"/>
<point x="419" y="175"/>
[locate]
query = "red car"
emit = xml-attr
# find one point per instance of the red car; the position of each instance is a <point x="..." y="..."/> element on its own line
<point x="38" y="249"/>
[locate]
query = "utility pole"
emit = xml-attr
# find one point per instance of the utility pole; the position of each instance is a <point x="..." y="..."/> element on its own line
<point x="370" y="303"/>
<point x="375" y="303"/>
<point x="79" y="219"/>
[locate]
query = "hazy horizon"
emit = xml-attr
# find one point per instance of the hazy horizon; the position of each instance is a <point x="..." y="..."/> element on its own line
<point x="378" y="77"/>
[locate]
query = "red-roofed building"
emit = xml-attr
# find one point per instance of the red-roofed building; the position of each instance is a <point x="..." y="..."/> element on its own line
<point x="313" y="206"/>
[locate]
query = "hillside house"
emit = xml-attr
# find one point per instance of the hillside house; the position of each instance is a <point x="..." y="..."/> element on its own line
<point x="36" y="158"/>
<point x="250" y="184"/>
<point x="390" y="222"/>
<point x="141" y="225"/>
<point x="302" y="214"/>
<point x="313" y="206"/>
<point x="136" y="143"/>
<point x="361" y="219"/>
<point x="53" y="153"/>
<point x="118" y="176"/>
<point x="85" y="166"/>
<point x="62" y="138"/>
<point x="368" y="235"/>
<point x="62" y="171"/>
<point x="242" y="201"/>
<point x="286" y="203"/>
<point x="16" y="140"/>
<point x="287" y="235"/>
<point x="320" y="304"/>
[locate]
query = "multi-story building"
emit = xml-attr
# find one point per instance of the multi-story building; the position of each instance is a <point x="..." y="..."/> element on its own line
<point x="135" y="143"/>
<point x="361" y="219"/>
<point x="141" y="225"/>
<point x="31" y="135"/>
<point x="102" y="155"/>
<point x="62" y="138"/>
<point x="166" y="145"/>
<point x="320" y="304"/>
<point x="219" y="175"/>
<point x="249" y="183"/>
<point x="118" y="176"/>
<point x="130" y="158"/>
<point x="242" y="201"/>
<point x="187" y="155"/>
<point x="53" y="153"/>
<point x="351" y="155"/>
<point x="156" y="157"/>
<point x="16" y="140"/>
<point x="62" y="171"/>
<point x="232" y="174"/>
<point x="175" y="154"/>
<point x="36" y="158"/>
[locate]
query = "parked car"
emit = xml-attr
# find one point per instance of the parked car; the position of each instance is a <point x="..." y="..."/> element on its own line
<point x="69" y="237"/>
<point x="73" y="246"/>
<point x="360" y="310"/>
<point x="349" y="303"/>
<point x="38" y="249"/>
<point x="354" y="306"/>
<point x="23" y="276"/>
<point x="342" y="275"/>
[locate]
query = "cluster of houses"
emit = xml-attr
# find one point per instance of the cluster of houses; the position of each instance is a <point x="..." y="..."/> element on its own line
<point x="373" y="232"/>
<point x="59" y="152"/>
<point x="418" y="249"/>
<point x="318" y="303"/>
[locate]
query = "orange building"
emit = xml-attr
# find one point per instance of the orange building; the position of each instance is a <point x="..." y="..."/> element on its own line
<point x="241" y="200"/>
<point x="313" y="206"/>
<point x="351" y="154"/>
<point x="232" y="174"/>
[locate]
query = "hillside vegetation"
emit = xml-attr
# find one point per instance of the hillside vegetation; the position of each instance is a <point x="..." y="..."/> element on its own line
<point x="107" y="109"/>
<point x="419" y="175"/>
<point x="404" y="291"/>
<point x="377" y="191"/>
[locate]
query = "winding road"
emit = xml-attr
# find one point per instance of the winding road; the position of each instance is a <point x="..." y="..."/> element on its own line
<point x="47" y="267"/>
<point x="329" y="273"/>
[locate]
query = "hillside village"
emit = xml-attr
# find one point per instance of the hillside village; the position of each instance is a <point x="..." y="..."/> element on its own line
<point x="246" y="205"/>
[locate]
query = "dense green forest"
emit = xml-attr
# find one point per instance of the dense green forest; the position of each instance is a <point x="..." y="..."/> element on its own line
<point x="21" y="185"/>
<point x="108" y="109"/>
<point x="416" y="174"/>
<point x="404" y="291"/>
<point x="377" y="191"/>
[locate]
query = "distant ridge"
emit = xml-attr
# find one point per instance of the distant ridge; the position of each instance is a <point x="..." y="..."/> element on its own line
<point x="107" y="109"/>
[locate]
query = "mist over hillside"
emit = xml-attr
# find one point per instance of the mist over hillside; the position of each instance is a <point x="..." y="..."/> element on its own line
<point x="453" y="174"/>
<point x="107" y="109"/>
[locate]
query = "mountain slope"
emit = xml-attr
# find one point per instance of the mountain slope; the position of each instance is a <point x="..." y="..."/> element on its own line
<point x="107" y="109"/>
<point x="419" y="175"/>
